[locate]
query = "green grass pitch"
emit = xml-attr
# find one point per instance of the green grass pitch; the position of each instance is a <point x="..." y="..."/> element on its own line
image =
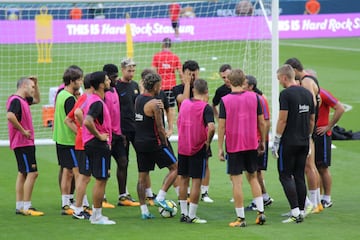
<point x="336" y="62"/>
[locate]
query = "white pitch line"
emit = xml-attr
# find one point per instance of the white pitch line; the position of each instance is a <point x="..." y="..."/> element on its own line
<point x="321" y="46"/>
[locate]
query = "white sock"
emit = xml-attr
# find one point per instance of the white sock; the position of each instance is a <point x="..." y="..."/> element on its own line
<point x="122" y="195"/>
<point x="27" y="205"/>
<point x="161" y="195"/>
<point x="19" y="205"/>
<point x="240" y="212"/>
<point x="97" y="213"/>
<point x="204" y="189"/>
<point x="327" y="198"/>
<point x="144" y="209"/>
<point x="295" y="212"/>
<point x="184" y="207"/>
<point x="78" y="210"/>
<point x="149" y="192"/>
<point x="259" y="202"/>
<point x="188" y="191"/>
<point x="312" y="197"/>
<point x="265" y="196"/>
<point x="318" y="197"/>
<point x="65" y="199"/>
<point x="307" y="201"/>
<point x="192" y="210"/>
<point x="85" y="201"/>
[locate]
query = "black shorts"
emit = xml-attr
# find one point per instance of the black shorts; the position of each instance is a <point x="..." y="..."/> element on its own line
<point x="66" y="156"/>
<point x="175" y="24"/>
<point x="262" y="160"/>
<point x="83" y="162"/>
<point x="99" y="159"/>
<point x="322" y="151"/>
<point x="163" y="157"/>
<point x="193" y="166"/>
<point x="118" y="149"/>
<point x="170" y="97"/>
<point x="26" y="160"/>
<point x="242" y="161"/>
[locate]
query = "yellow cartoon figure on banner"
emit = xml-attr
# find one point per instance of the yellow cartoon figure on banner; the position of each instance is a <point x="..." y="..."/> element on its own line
<point x="44" y="35"/>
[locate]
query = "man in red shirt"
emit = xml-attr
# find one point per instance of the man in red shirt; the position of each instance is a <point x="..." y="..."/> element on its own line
<point x="74" y="121"/>
<point x="322" y="140"/>
<point x="174" y="14"/>
<point x="166" y="64"/>
<point x="312" y="7"/>
<point x="75" y="13"/>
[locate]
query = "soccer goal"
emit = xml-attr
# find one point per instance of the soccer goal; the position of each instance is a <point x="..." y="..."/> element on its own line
<point x="43" y="39"/>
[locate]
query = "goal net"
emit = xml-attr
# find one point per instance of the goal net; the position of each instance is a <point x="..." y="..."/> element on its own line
<point x="41" y="39"/>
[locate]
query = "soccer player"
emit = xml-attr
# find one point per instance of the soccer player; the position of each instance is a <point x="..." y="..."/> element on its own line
<point x="150" y="196"/>
<point x="174" y="14"/>
<point x="61" y="88"/>
<point x="118" y="150"/>
<point x="151" y="144"/>
<point x="75" y="13"/>
<point x="312" y="7"/>
<point x="313" y="178"/>
<point x="240" y="124"/>
<point x="184" y="91"/>
<point x="223" y="90"/>
<point x="64" y="136"/>
<point x="291" y="143"/>
<point x="21" y="136"/>
<point x="166" y="64"/>
<point x="97" y="140"/>
<point x="322" y="140"/>
<point x="250" y="84"/>
<point x="127" y="90"/>
<point x="196" y="130"/>
<point x="74" y="121"/>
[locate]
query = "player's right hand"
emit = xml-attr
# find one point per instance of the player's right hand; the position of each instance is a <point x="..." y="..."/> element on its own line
<point x="27" y="133"/>
<point x="275" y="147"/>
<point x="221" y="155"/>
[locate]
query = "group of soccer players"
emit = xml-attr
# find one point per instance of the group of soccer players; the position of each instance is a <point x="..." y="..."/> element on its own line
<point x="115" y="111"/>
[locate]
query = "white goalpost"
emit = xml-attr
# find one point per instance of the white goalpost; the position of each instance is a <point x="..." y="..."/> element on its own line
<point x="40" y="39"/>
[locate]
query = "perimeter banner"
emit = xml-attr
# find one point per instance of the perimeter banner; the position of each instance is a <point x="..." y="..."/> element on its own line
<point x="194" y="29"/>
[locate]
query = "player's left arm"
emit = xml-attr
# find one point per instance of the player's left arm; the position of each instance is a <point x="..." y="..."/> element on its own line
<point x="261" y="126"/>
<point x="188" y="77"/>
<point x="210" y="123"/>
<point x="221" y="131"/>
<point x="338" y="112"/>
<point x="170" y="112"/>
<point x="281" y="123"/>
<point x="157" y="111"/>
<point x="11" y="117"/>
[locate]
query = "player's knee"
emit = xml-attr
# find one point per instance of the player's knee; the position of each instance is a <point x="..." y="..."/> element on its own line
<point x="123" y="162"/>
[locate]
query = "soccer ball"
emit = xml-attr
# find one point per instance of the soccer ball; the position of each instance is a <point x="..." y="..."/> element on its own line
<point x="166" y="214"/>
